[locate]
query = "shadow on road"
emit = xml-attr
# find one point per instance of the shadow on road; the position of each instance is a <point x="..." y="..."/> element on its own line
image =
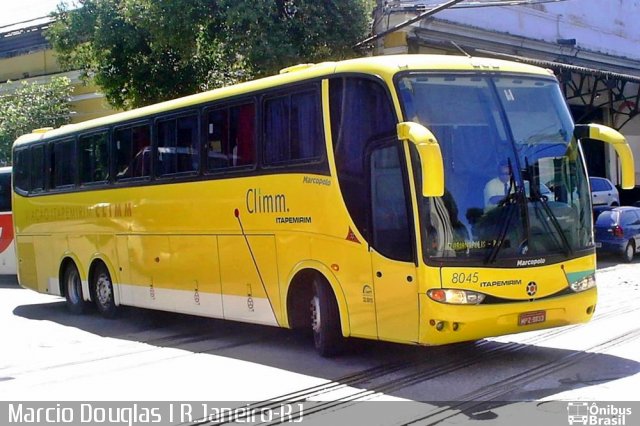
<point x="608" y="260"/>
<point x="490" y="371"/>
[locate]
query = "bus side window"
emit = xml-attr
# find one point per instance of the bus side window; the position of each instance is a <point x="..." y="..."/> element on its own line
<point x="292" y="128"/>
<point x="38" y="168"/>
<point x="230" y="137"/>
<point x="141" y="148"/>
<point x="178" y="145"/>
<point x="94" y="158"/>
<point x="390" y="219"/>
<point x="245" y="139"/>
<point x="361" y="113"/>
<point x="63" y="163"/>
<point x="21" y="167"/>
<point x="218" y="139"/>
<point x="133" y="152"/>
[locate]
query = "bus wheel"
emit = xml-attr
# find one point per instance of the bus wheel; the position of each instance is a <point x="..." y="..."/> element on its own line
<point x="103" y="292"/>
<point x="629" y="251"/>
<point x="325" y="321"/>
<point x="73" y="290"/>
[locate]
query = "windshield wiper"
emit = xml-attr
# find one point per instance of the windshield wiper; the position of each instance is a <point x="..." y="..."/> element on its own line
<point x="509" y="199"/>
<point x="536" y="195"/>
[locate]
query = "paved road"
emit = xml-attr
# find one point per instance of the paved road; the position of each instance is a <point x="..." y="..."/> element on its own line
<point x="49" y="354"/>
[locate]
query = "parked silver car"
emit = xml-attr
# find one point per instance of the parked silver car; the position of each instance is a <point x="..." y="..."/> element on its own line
<point x="603" y="192"/>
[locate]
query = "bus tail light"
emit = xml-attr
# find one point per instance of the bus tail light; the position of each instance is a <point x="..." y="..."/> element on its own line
<point x="456" y="297"/>
<point x="584" y="284"/>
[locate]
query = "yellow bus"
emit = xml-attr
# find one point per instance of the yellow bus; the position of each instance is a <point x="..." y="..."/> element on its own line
<point x="351" y="198"/>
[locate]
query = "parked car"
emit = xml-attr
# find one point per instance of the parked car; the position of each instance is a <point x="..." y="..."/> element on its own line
<point x="599" y="209"/>
<point x="618" y="231"/>
<point x="603" y="192"/>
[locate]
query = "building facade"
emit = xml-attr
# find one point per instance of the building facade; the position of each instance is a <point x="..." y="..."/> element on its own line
<point x="591" y="45"/>
<point x="25" y="55"/>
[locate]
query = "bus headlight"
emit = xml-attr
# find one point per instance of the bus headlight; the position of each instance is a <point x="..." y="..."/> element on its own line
<point x="584" y="284"/>
<point x="455" y="297"/>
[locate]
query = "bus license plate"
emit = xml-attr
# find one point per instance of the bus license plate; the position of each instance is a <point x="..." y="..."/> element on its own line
<point x="528" y="318"/>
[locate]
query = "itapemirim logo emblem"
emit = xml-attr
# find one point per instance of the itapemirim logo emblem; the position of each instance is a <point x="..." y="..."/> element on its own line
<point x="592" y="414"/>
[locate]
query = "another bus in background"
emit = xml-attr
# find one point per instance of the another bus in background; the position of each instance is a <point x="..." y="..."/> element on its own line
<point x="7" y="245"/>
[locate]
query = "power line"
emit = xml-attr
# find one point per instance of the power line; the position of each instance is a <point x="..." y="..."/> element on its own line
<point x="408" y="22"/>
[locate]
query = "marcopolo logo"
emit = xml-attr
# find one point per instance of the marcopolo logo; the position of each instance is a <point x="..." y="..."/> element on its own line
<point x="597" y="414"/>
<point x="531" y="262"/>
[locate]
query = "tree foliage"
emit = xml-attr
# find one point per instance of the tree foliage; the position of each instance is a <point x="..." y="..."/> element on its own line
<point x="144" y="51"/>
<point x="32" y="106"/>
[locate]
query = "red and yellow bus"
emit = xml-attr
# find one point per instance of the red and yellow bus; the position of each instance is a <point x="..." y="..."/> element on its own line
<point x="351" y="198"/>
<point x="7" y="245"/>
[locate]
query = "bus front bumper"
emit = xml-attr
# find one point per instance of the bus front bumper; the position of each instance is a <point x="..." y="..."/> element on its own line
<point x="442" y="323"/>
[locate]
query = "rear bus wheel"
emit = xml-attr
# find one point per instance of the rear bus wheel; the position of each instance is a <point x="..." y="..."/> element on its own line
<point x="102" y="287"/>
<point x="73" y="290"/>
<point x="325" y="321"/>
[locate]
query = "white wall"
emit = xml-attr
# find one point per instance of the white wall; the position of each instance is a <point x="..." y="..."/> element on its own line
<point x="632" y="131"/>
<point x="606" y="26"/>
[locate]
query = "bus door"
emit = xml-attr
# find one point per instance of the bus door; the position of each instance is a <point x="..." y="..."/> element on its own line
<point x="392" y="253"/>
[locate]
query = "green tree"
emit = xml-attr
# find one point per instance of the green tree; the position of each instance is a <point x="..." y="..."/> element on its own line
<point x="31" y="106"/>
<point x="145" y="51"/>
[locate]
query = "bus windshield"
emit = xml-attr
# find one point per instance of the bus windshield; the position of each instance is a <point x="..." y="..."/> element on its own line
<point x="515" y="185"/>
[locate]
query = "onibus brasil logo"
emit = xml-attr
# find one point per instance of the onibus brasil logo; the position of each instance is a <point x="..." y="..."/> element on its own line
<point x="593" y="414"/>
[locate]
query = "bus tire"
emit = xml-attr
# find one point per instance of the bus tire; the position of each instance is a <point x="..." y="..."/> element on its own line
<point x="103" y="295"/>
<point x="73" y="290"/>
<point x="629" y="252"/>
<point x="325" y="321"/>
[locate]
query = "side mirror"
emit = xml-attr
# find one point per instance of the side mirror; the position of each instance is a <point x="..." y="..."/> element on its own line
<point x="619" y="143"/>
<point x="430" y="157"/>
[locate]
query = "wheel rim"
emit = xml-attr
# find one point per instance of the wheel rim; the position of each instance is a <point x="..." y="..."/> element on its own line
<point x="630" y="252"/>
<point x="74" y="286"/>
<point x="315" y="314"/>
<point x="103" y="290"/>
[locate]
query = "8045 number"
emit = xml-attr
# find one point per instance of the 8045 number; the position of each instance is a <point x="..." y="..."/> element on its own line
<point x="465" y="278"/>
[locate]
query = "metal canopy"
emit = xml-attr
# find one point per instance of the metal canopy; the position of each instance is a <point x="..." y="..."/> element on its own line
<point x="595" y="88"/>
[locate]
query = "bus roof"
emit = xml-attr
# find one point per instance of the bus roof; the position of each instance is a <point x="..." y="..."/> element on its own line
<point x="384" y="66"/>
